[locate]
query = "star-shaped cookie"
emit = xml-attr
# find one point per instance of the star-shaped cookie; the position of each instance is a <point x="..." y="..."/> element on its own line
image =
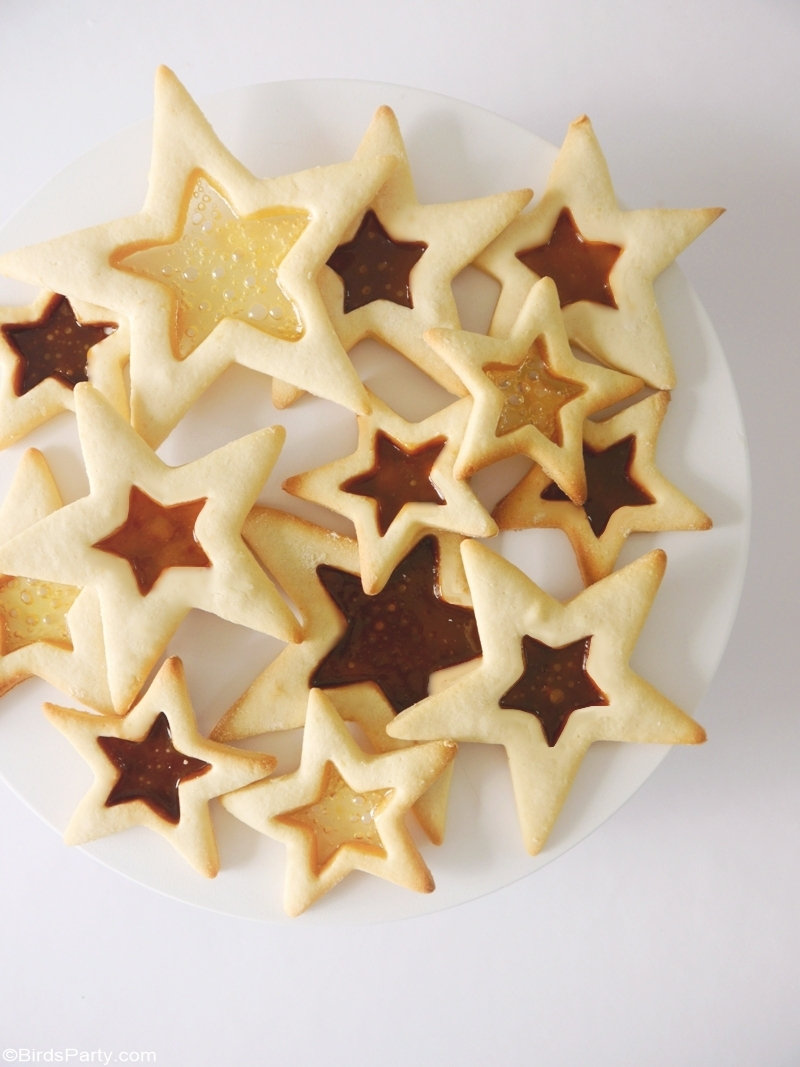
<point x="626" y="491"/>
<point x="530" y="393"/>
<point x="218" y="267"/>
<point x="46" y="348"/>
<point x="135" y="499"/>
<point x="343" y="809"/>
<point x="397" y="486"/>
<point x="554" y="678"/>
<point x="153" y="768"/>
<point x="604" y="260"/>
<point x="47" y="630"/>
<point x="391" y="277"/>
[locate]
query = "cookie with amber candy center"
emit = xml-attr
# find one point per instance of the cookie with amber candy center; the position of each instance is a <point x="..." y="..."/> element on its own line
<point x="343" y="809"/>
<point x="603" y="258"/>
<point x="397" y="486"/>
<point x="627" y="492"/>
<point x="530" y="393"/>
<point x="554" y="678"/>
<point x="154" y="541"/>
<point x="153" y="768"/>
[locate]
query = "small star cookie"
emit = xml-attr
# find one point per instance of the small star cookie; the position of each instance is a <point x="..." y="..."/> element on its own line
<point x="343" y="809"/>
<point x="391" y="277"/>
<point x="554" y="678"/>
<point x="218" y="267"/>
<point x="626" y="491"/>
<point x="48" y="347"/>
<point x="530" y="394"/>
<point x="603" y="259"/>
<point x="155" y="541"/>
<point x="47" y="630"/>
<point x="397" y="486"/>
<point x="152" y="768"/>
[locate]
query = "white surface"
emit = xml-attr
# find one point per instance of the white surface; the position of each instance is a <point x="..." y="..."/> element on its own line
<point x="671" y="934"/>
<point x="701" y="447"/>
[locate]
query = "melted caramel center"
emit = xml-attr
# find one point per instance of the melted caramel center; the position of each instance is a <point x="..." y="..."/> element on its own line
<point x="374" y="266"/>
<point x="580" y="268"/>
<point x="156" y="536"/>
<point x="151" y="770"/>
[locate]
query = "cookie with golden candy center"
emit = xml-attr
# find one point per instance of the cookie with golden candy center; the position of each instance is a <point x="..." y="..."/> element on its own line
<point x="154" y="542"/>
<point x="153" y="768"/>
<point x="47" y="630"/>
<point x="391" y="275"/>
<point x="603" y="258"/>
<point x="46" y="348"/>
<point x="343" y="809"/>
<point x="397" y="486"/>
<point x="627" y="492"/>
<point x="531" y="395"/>
<point x="554" y="679"/>
<point x="387" y="638"/>
<point x="219" y="266"/>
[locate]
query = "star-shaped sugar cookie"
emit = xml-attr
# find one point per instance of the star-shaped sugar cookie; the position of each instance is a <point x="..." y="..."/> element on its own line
<point x="397" y="486"/>
<point x="47" y="630"/>
<point x="135" y="517"/>
<point x="343" y="809"/>
<point x="218" y="267"/>
<point x="530" y="393"/>
<point x="604" y="260"/>
<point x="46" y="348"/>
<point x="391" y="277"/>
<point x="627" y="492"/>
<point x="153" y="768"/>
<point x="554" y="678"/>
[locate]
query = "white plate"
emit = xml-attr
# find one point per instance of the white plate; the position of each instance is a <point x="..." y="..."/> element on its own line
<point x="456" y="151"/>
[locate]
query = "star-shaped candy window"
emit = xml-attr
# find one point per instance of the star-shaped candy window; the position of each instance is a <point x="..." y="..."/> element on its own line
<point x="222" y="266"/>
<point x="610" y="483"/>
<point x="580" y="268"/>
<point x="339" y="816"/>
<point x="400" y="476"/>
<point x="399" y="637"/>
<point x="532" y="394"/>
<point x="553" y="684"/>
<point x="32" y="611"/>
<point x="374" y="266"/>
<point x="54" y="346"/>
<point x="155" y="537"/>
<point x="151" y="769"/>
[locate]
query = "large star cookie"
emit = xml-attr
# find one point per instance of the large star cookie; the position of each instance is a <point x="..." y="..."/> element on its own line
<point x="155" y="541"/>
<point x="626" y="491"/>
<point x="554" y="678"/>
<point x="217" y="267"/>
<point x="47" y="630"/>
<point x="152" y="768"/>
<point x="343" y="809"/>
<point x="603" y="259"/>
<point x="48" y="347"/>
<point x="397" y="486"/>
<point x="530" y="394"/>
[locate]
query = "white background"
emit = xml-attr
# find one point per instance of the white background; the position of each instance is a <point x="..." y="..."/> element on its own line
<point x="670" y="936"/>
